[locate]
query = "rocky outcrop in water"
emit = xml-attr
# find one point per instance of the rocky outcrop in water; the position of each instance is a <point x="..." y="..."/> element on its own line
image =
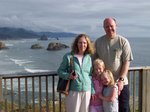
<point x="2" y="46"/>
<point x="56" y="46"/>
<point x="43" y="37"/>
<point x="36" y="46"/>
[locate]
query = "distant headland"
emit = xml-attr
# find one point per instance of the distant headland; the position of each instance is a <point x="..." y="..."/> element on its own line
<point x="7" y="33"/>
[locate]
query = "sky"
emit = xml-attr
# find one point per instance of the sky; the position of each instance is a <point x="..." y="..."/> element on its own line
<point x="77" y="16"/>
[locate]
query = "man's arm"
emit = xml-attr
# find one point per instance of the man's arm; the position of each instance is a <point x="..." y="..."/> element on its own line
<point x="123" y="74"/>
<point x="124" y="69"/>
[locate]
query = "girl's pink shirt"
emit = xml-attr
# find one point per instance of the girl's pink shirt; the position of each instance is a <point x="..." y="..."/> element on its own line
<point x="98" y="89"/>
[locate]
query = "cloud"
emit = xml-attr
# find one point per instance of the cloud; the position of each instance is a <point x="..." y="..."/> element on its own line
<point x="76" y="16"/>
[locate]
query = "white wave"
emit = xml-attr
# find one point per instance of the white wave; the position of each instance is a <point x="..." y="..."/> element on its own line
<point x="35" y="70"/>
<point x="27" y="40"/>
<point x="9" y="44"/>
<point x="1" y="51"/>
<point x="20" y="62"/>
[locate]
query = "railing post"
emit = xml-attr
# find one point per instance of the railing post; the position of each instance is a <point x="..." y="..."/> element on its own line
<point x="146" y="90"/>
<point x="1" y="91"/>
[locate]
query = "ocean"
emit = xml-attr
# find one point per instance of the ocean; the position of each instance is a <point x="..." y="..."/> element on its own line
<point x="19" y="58"/>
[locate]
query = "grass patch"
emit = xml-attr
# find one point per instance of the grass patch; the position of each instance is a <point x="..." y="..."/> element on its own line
<point x="29" y="108"/>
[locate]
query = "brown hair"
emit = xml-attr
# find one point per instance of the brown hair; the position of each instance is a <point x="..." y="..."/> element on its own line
<point x="90" y="48"/>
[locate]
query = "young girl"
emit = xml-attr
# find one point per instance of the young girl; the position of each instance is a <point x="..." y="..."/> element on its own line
<point x="96" y="102"/>
<point x="110" y="92"/>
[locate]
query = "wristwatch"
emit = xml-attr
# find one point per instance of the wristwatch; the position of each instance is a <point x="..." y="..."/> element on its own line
<point x="121" y="79"/>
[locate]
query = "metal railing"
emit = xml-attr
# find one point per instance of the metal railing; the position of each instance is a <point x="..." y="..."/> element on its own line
<point x="37" y="92"/>
<point x="30" y="92"/>
<point x="139" y="80"/>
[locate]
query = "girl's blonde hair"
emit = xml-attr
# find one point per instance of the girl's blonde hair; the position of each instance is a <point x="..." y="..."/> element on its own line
<point x="90" y="47"/>
<point x="110" y="76"/>
<point x="98" y="62"/>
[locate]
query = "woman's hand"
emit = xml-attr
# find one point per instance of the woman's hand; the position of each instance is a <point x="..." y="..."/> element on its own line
<point x="73" y="75"/>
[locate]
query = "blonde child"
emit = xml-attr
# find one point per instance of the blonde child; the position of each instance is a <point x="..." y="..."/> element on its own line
<point x="110" y="92"/>
<point x="96" y="102"/>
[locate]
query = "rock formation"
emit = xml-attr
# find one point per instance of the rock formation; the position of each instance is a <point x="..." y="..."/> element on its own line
<point x="56" y="46"/>
<point x="36" y="46"/>
<point x="3" y="46"/>
<point x="43" y="37"/>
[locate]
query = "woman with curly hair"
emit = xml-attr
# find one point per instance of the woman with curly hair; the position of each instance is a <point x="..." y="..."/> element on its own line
<point x="81" y="86"/>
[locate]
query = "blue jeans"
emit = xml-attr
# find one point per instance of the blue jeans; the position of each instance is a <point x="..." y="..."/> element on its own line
<point x="124" y="100"/>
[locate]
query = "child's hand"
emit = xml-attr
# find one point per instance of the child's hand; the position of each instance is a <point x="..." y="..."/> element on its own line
<point x="93" y="97"/>
<point x="100" y="95"/>
<point x="119" y="92"/>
